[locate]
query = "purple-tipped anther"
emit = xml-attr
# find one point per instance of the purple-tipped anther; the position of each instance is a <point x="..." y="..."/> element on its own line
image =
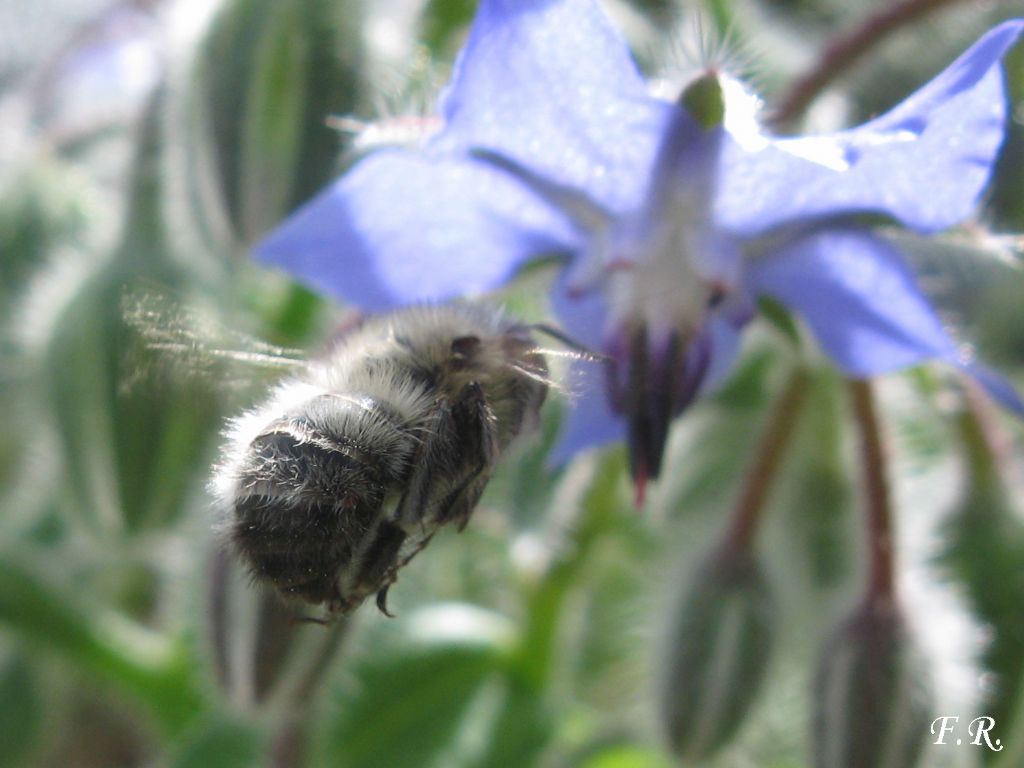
<point x="650" y="381"/>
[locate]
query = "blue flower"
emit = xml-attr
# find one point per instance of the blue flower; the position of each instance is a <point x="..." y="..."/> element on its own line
<point x="672" y="221"/>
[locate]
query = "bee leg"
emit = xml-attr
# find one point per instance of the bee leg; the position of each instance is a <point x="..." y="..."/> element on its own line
<point x="475" y="433"/>
<point x="382" y="601"/>
<point x="451" y="466"/>
<point x="392" y="575"/>
<point x="373" y="566"/>
<point x="431" y="464"/>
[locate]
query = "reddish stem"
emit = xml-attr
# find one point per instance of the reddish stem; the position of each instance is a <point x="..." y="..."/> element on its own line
<point x="844" y="50"/>
<point x="881" y="579"/>
<point x="761" y="475"/>
<point x="988" y="446"/>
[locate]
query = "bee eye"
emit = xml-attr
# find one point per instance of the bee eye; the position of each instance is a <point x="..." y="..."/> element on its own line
<point x="464" y="347"/>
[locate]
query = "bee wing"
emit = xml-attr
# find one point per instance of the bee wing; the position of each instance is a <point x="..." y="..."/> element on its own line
<point x="171" y="337"/>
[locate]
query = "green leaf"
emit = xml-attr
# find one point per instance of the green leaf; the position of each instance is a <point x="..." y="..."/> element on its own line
<point x="42" y="207"/>
<point x="21" y="715"/>
<point x="442" y="21"/>
<point x="818" y="501"/>
<point x="626" y="756"/>
<point x="223" y="744"/>
<point x="780" y="318"/>
<point x="520" y="730"/>
<point x="132" y="448"/>
<point x="985" y="550"/>
<point x="150" y="666"/>
<point x="408" y="698"/>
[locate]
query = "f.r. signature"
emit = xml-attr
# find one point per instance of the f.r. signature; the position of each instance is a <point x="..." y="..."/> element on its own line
<point x="979" y="730"/>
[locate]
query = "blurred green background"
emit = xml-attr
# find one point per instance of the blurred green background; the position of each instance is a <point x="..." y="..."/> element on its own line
<point x="145" y="145"/>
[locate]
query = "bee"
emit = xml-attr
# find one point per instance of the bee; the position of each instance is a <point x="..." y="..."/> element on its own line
<point x="349" y="467"/>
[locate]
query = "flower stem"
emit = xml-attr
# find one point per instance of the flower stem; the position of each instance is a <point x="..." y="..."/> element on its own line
<point x="881" y="581"/>
<point x="768" y="458"/>
<point x="571" y="549"/>
<point x="844" y="50"/>
<point x="986" y="448"/>
<point x="289" y="747"/>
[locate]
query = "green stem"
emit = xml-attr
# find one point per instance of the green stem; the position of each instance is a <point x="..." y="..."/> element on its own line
<point x="768" y="456"/>
<point x="546" y="597"/>
<point x="1013" y="755"/>
<point x="881" y="588"/>
<point x="289" y="748"/>
<point x="845" y="50"/>
<point x="985" y="450"/>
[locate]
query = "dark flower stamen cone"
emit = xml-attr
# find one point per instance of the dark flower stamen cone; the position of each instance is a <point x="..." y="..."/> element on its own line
<point x="650" y="386"/>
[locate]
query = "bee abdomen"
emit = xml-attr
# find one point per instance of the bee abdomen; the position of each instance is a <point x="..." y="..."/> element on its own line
<point x="295" y="547"/>
<point x="307" y="512"/>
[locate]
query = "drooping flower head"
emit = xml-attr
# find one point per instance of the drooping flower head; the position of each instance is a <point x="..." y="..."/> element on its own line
<point x="673" y="217"/>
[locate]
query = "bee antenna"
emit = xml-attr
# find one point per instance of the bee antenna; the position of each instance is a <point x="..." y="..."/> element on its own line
<point x="571" y="343"/>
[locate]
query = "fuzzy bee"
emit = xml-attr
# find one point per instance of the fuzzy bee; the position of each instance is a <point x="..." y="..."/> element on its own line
<point x="348" y="469"/>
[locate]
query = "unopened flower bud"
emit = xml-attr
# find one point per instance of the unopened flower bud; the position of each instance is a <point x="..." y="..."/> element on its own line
<point x="255" y="112"/>
<point x="128" y="439"/>
<point x="871" y="696"/>
<point x="718" y="648"/>
<point x="704" y="99"/>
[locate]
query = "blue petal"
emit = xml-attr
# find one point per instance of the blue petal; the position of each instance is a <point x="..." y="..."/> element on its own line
<point x="590" y="421"/>
<point x="402" y="227"/>
<point x="998" y="388"/>
<point x="583" y="316"/>
<point x="725" y="347"/>
<point x="923" y="163"/>
<point x="550" y="83"/>
<point x="858" y="296"/>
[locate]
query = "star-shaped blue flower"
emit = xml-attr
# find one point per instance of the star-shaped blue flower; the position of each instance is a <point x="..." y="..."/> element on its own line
<point x="672" y="225"/>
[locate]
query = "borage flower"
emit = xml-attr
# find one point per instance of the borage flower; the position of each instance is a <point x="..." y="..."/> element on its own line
<point x="673" y="218"/>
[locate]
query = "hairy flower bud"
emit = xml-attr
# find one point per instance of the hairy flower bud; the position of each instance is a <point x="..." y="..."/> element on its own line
<point x="871" y="694"/>
<point x="267" y="76"/>
<point x="129" y="441"/>
<point x="704" y="99"/>
<point x="718" y="648"/>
